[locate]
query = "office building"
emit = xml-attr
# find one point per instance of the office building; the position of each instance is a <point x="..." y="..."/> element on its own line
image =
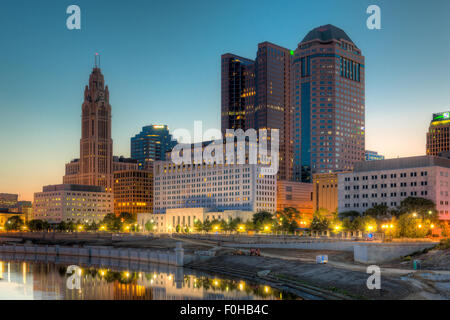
<point x="294" y="194"/>
<point x="184" y="218"/>
<point x="76" y="203"/>
<point x="256" y="95"/>
<point x="328" y="100"/>
<point x="8" y="200"/>
<point x="213" y="186"/>
<point x="325" y="191"/>
<point x="133" y="191"/>
<point x="438" y="135"/>
<point x="151" y="144"/>
<point x="388" y="182"/>
<point x="373" y="155"/>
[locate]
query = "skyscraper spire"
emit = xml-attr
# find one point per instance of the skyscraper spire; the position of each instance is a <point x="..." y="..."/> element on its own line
<point x="97" y="60"/>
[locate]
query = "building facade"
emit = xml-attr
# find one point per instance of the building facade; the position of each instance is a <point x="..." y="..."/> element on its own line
<point x="373" y="155"/>
<point x="151" y="144"/>
<point x="294" y="194"/>
<point x="390" y="181"/>
<point x="213" y="186"/>
<point x="8" y="200"/>
<point x="184" y="218"/>
<point x="133" y="191"/>
<point x="256" y="95"/>
<point x="325" y="191"/>
<point x="76" y="203"/>
<point x="438" y="135"/>
<point x="5" y="215"/>
<point x="95" y="166"/>
<point x="329" y="106"/>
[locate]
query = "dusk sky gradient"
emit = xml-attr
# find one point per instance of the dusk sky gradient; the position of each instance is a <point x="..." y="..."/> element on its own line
<point x="161" y="61"/>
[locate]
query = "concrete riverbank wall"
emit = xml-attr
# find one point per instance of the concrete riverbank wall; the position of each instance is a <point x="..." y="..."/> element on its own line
<point x="384" y="252"/>
<point x="363" y="252"/>
<point x="174" y="258"/>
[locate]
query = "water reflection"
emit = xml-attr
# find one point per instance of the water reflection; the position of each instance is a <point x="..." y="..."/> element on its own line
<point x="48" y="281"/>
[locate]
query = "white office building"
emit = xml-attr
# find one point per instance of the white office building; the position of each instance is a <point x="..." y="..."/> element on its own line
<point x="71" y="202"/>
<point x="390" y="181"/>
<point x="187" y="217"/>
<point x="216" y="187"/>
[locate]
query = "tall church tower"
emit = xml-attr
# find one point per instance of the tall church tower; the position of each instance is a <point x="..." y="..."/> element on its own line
<point x="96" y="145"/>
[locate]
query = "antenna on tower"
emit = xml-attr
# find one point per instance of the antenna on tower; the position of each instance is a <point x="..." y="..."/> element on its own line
<point x="97" y="56"/>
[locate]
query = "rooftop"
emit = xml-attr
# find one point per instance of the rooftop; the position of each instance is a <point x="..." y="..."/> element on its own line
<point x="327" y="33"/>
<point x="402" y="163"/>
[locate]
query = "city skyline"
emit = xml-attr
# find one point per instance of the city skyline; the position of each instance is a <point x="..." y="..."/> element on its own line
<point x="141" y="97"/>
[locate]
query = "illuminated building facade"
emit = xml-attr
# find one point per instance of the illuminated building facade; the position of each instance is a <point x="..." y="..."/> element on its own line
<point x="213" y="186"/>
<point x="184" y="218"/>
<point x="438" y="136"/>
<point x="328" y="100"/>
<point x="76" y="203"/>
<point x="256" y="95"/>
<point x="151" y="144"/>
<point x="325" y="191"/>
<point x="133" y="191"/>
<point x="294" y="194"/>
<point x="8" y="200"/>
<point x="388" y="182"/>
<point x="95" y="166"/>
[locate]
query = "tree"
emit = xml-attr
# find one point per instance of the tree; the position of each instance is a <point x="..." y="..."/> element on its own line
<point x="112" y="222"/>
<point x="198" y="225"/>
<point x="207" y="226"/>
<point x="411" y="226"/>
<point x="288" y="219"/>
<point x="425" y="208"/>
<point x="127" y="218"/>
<point x="369" y="224"/>
<point x="233" y="224"/>
<point x="149" y="225"/>
<point x="14" y="223"/>
<point x="38" y="225"/>
<point x="349" y="214"/>
<point x="320" y="222"/>
<point x="91" y="226"/>
<point x="262" y="219"/>
<point x="379" y="211"/>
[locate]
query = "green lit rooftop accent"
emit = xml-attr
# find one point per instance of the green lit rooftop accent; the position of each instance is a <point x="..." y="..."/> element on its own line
<point x="441" y="116"/>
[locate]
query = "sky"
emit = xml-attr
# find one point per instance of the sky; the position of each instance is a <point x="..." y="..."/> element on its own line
<point x="161" y="61"/>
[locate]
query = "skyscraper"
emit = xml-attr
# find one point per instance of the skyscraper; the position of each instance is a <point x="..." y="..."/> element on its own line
<point x="151" y="144"/>
<point x="328" y="100"/>
<point x="95" y="166"/>
<point x="438" y="136"/>
<point x="256" y="94"/>
<point x="373" y="155"/>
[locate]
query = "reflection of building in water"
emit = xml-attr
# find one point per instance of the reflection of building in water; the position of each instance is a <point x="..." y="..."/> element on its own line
<point x="46" y="281"/>
<point x="51" y="280"/>
<point x="16" y="281"/>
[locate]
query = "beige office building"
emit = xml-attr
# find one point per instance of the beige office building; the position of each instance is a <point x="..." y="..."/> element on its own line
<point x="186" y="217"/>
<point x="325" y="191"/>
<point x="76" y="203"/>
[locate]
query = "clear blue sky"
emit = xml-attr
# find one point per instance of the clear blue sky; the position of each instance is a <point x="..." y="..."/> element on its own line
<point x="161" y="60"/>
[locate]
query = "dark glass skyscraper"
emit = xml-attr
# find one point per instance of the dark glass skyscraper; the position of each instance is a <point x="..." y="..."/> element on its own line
<point x="151" y="144"/>
<point x="256" y="94"/>
<point x="329" y="106"/>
